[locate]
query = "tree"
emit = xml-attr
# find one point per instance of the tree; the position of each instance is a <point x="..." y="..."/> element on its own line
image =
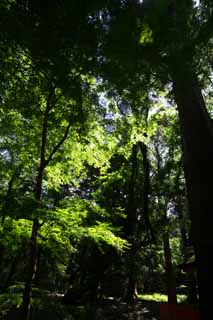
<point x="50" y="156"/>
<point x="173" y="39"/>
<point x="131" y="44"/>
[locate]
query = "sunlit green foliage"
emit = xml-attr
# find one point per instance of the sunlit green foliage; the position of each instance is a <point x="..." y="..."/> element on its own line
<point x="157" y="297"/>
<point x="96" y="78"/>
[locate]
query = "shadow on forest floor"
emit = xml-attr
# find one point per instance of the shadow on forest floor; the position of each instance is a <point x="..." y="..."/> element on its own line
<point x="139" y="310"/>
<point x="108" y="309"/>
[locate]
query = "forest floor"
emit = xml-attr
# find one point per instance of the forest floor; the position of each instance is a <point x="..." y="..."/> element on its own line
<point x="139" y="310"/>
<point x="118" y="310"/>
<point x="108" y="309"/>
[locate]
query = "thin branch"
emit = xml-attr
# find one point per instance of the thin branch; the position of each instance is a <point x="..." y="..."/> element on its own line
<point x="58" y="145"/>
<point x="49" y="106"/>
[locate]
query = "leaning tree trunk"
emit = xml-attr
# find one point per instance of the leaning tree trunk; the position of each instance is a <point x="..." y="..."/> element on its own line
<point x="197" y="135"/>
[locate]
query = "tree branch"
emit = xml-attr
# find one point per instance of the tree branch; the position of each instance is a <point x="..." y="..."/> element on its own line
<point x="58" y="145"/>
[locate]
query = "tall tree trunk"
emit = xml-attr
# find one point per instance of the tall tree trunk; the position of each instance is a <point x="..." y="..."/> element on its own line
<point x="186" y="244"/>
<point x="132" y="292"/>
<point x="44" y="161"/>
<point x="33" y="250"/>
<point x="145" y="195"/>
<point x="31" y="271"/>
<point x="131" y="206"/>
<point x="136" y="228"/>
<point x="170" y="274"/>
<point x="179" y="207"/>
<point x="197" y="135"/>
<point x="131" y="228"/>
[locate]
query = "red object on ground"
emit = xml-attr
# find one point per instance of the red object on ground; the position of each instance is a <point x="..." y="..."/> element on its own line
<point x="178" y="312"/>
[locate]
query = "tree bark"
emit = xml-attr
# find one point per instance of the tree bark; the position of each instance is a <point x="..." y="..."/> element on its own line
<point x="131" y="228"/>
<point x="197" y="135"/>
<point x="44" y="161"/>
<point x="131" y="211"/>
<point x="146" y="193"/>
<point x="170" y="274"/>
<point x="138" y="228"/>
<point x="132" y="292"/>
<point x="31" y="271"/>
<point x="186" y="247"/>
<point x="33" y="250"/>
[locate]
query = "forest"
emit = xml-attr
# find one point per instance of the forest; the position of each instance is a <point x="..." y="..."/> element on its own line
<point x="106" y="153"/>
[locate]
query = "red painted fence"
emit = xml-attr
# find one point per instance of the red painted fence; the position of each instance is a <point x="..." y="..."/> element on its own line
<point x="178" y="312"/>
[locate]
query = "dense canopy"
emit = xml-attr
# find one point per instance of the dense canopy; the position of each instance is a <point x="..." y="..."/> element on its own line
<point x="105" y="155"/>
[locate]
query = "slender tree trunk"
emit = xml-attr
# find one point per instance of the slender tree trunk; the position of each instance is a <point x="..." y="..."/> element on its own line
<point x="137" y="228"/>
<point x="31" y="271"/>
<point x="183" y="232"/>
<point x="170" y="274"/>
<point x="131" y="206"/>
<point x="192" y="288"/>
<point x="44" y="161"/>
<point x="191" y="278"/>
<point x="146" y="193"/>
<point x="33" y="250"/>
<point x="131" y="228"/>
<point x="197" y="135"/>
<point x="132" y="292"/>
